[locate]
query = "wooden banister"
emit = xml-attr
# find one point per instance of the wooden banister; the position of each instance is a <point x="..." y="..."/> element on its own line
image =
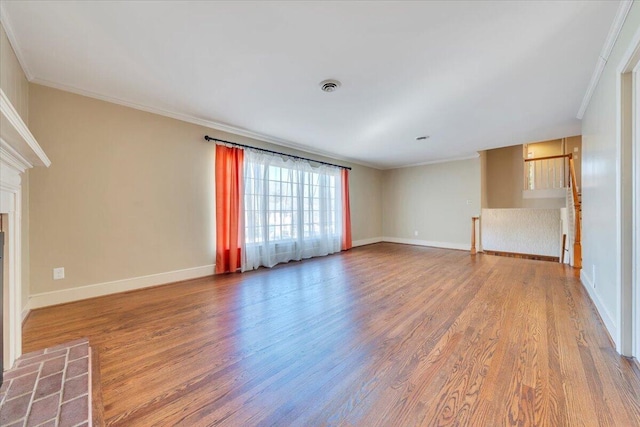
<point x="559" y="156"/>
<point x="577" y="244"/>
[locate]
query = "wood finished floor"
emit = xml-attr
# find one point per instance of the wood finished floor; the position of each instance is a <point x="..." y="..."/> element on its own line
<point x="383" y="335"/>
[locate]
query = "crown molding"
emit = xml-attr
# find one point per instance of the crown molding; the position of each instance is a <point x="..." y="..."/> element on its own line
<point x="13" y="41"/>
<point x="433" y="162"/>
<point x="610" y="41"/>
<point x="16" y="135"/>
<point x="199" y="121"/>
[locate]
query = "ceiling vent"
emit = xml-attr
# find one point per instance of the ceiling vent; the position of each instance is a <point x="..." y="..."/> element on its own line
<point x="329" y="85"/>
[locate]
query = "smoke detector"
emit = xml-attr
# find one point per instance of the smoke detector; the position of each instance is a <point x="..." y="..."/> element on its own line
<point x="329" y="85"/>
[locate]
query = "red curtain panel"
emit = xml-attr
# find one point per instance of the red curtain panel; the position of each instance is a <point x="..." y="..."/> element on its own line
<point x="346" y="212"/>
<point x="229" y="232"/>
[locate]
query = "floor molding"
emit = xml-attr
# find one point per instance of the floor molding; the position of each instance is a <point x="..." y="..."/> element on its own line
<point x="62" y="296"/>
<point x="363" y="242"/>
<point x="25" y="313"/>
<point x="605" y="315"/>
<point x="430" y="243"/>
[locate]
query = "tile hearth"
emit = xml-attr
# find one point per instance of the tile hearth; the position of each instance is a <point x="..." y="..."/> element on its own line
<point x="49" y="387"/>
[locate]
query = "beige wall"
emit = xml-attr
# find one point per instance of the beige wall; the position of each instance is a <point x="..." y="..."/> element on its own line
<point x="545" y="148"/>
<point x="505" y="177"/>
<point x="432" y="200"/>
<point x="15" y="85"/>
<point x="484" y="201"/>
<point x="131" y="193"/>
<point x="365" y="193"/>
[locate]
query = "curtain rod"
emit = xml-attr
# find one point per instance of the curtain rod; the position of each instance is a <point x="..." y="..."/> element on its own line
<point x="208" y="138"/>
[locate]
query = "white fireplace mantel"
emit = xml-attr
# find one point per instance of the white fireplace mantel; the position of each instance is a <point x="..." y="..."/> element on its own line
<point x="19" y="151"/>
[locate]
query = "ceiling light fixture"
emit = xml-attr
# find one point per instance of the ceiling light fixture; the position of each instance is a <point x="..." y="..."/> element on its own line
<point x="422" y="138"/>
<point x="330" y="85"/>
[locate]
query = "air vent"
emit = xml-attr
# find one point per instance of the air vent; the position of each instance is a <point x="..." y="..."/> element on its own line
<point x="329" y="85"/>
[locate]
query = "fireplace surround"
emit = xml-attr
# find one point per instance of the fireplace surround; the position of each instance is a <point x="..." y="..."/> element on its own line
<point x="19" y="151"/>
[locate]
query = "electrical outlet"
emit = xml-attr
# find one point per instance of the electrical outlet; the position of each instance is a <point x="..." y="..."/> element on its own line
<point x="415" y="233"/>
<point x="593" y="274"/>
<point x="468" y="202"/>
<point x="58" y="273"/>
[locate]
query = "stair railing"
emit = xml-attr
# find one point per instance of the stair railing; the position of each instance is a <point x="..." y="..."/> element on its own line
<point x="577" y="244"/>
<point x="550" y="172"/>
<point x="544" y="173"/>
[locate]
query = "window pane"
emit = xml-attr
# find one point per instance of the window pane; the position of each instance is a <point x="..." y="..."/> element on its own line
<point x="274" y="173"/>
<point x="282" y="203"/>
<point x="274" y="187"/>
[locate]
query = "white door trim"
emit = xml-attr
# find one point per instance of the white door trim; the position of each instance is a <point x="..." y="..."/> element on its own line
<point x="628" y="177"/>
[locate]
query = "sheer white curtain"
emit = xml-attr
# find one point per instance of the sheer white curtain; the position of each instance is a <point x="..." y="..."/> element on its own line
<point x="292" y="210"/>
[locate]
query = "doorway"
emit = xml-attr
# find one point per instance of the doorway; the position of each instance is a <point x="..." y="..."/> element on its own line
<point x="629" y="201"/>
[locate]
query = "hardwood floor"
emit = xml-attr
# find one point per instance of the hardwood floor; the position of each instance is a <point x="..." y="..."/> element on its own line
<point x="383" y="335"/>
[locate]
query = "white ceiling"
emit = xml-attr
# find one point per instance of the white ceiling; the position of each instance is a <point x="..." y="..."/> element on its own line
<point x="472" y="75"/>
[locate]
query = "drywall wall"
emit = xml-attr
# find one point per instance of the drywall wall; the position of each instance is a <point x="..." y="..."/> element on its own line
<point x="522" y="231"/>
<point x="130" y="194"/>
<point x="505" y="177"/>
<point x="16" y="87"/>
<point x="365" y="193"/>
<point x="484" y="201"/>
<point x="599" y="184"/>
<point x="544" y="148"/>
<point x="437" y="201"/>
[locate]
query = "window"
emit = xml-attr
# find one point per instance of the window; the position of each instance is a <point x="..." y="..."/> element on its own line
<point x="292" y="210"/>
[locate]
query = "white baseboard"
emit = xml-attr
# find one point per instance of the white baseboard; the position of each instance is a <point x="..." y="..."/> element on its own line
<point x="607" y="318"/>
<point x="444" y="245"/>
<point x="25" y="312"/>
<point x="370" y="241"/>
<point x="62" y="296"/>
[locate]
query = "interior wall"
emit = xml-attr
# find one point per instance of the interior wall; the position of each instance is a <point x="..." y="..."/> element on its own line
<point x="15" y="85"/>
<point x="545" y="148"/>
<point x="437" y="201"/>
<point x="130" y="193"/>
<point x="600" y="241"/>
<point x="505" y="177"/>
<point x="484" y="201"/>
<point x="365" y="194"/>
<point x="522" y="231"/>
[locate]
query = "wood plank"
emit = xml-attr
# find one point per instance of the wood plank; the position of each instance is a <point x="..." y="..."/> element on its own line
<point x="385" y="334"/>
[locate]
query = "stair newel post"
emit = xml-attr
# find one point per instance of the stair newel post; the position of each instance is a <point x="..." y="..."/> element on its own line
<point x="473" y="234"/>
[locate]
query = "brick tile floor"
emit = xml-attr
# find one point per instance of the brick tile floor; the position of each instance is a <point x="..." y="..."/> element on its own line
<point x="49" y="387"/>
